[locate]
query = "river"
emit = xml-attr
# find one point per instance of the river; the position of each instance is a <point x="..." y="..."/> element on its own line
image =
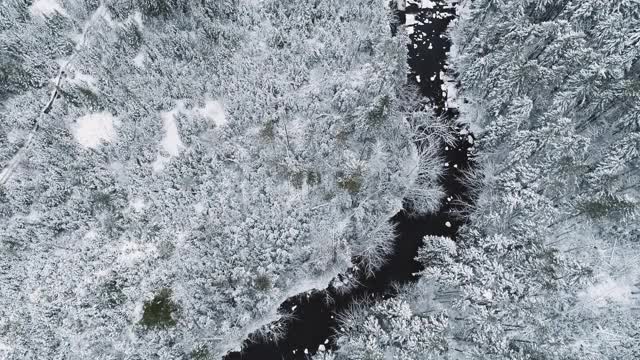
<point x="314" y="320"/>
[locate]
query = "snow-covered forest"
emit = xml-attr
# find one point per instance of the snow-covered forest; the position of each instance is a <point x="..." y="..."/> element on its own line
<point x="173" y="171"/>
<point x="548" y="263"/>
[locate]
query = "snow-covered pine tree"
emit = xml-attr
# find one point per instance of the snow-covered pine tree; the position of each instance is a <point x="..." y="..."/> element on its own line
<point x="553" y="85"/>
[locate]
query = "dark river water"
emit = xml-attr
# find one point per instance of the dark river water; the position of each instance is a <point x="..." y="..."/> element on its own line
<point x="314" y="322"/>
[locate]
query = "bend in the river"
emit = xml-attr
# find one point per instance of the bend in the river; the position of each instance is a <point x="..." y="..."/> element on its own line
<point x="314" y="322"/>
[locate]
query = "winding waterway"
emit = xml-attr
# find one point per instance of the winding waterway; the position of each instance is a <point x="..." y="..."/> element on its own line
<point x="314" y="320"/>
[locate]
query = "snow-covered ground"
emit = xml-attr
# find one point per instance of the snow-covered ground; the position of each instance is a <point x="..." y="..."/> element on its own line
<point x="92" y="129"/>
<point x="46" y="8"/>
<point x="214" y="112"/>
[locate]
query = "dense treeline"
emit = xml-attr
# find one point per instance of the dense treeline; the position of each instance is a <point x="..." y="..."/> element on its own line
<point x="553" y="87"/>
<point x="547" y="266"/>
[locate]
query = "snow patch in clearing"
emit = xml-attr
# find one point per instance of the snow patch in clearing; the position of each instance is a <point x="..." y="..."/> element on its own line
<point x="106" y="16"/>
<point x="159" y="163"/>
<point x="4" y="348"/>
<point x="410" y="19"/>
<point x="46" y="8"/>
<point x="214" y="112"/>
<point x="91" y="130"/>
<point x="16" y="135"/>
<point x="33" y="216"/>
<point x="91" y="235"/>
<point x="171" y="142"/>
<point x="452" y="93"/>
<point x="137" y="204"/>
<point x="139" y="60"/>
<point x="199" y="208"/>
<point x="609" y="290"/>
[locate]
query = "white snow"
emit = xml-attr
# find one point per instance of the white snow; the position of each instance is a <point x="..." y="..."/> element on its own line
<point x="119" y="172"/>
<point x="16" y="135"/>
<point x="487" y="294"/>
<point x="470" y="139"/>
<point x="447" y="224"/>
<point x="139" y="60"/>
<point x="137" y="17"/>
<point x="106" y="16"/>
<point x="321" y="348"/>
<point x="411" y="19"/>
<point x="78" y="76"/>
<point x="427" y="4"/>
<point x="137" y="204"/>
<point x="609" y="290"/>
<point x="214" y="112"/>
<point x="418" y="78"/>
<point x="33" y="216"/>
<point x="91" y="235"/>
<point x="452" y="93"/>
<point x="90" y="130"/>
<point x="86" y="80"/>
<point x="171" y="143"/>
<point x="199" y="208"/>
<point x="46" y="8"/>
<point x="35" y="295"/>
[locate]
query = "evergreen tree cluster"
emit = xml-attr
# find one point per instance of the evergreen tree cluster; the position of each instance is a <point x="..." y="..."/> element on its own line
<point x="547" y="265"/>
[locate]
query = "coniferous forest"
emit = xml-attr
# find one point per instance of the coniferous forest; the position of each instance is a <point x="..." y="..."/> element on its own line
<point x="320" y="179"/>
